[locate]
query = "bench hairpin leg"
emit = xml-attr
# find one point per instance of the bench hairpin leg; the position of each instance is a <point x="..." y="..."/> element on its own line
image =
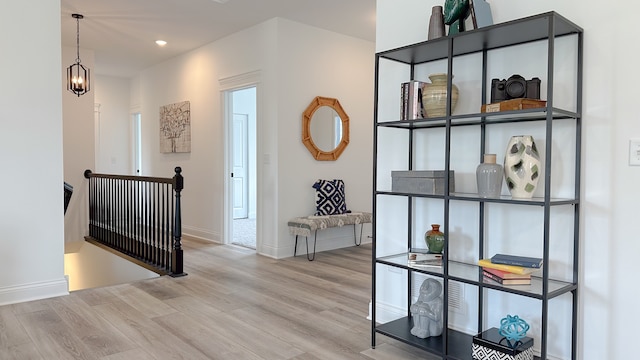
<point x="355" y="238"/>
<point x="315" y="239"/>
<point x="295" y="248"/>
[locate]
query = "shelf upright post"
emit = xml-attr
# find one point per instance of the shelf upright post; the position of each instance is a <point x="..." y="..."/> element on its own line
<point x="576" y="207"/>
<point x="481" y="204"/>
<point x="410" y="200"/>
<point x="447" y="195"/>
<point x="547" y="184"/>
<point x="374" y="202"/>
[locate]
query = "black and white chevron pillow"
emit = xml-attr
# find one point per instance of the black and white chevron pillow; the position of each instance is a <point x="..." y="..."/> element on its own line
<point x="330" y="198"/>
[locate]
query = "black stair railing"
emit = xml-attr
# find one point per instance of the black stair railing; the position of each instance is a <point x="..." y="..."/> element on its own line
<point x="139" y="216"/>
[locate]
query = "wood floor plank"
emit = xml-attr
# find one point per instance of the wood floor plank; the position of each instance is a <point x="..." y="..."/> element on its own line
<point x="344" y="318"/>
<point x="162" y="288"/>
<point x="25" y="351"/>
<point x="192" y="306"/>
<point x="141" y="300"/>
<point x="12" y="333"/>
<point x="146" y="333"/>
<point x="97" y="334"/>
<point x="209" y="339"/>
<point x="306" y="356"/>
<point x="55" y="339"/>
<point x="95" y="296"/>
<point x="137" y="354"/>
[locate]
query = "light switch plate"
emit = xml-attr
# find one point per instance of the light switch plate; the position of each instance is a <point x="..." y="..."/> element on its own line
<point x="634" y="152"/>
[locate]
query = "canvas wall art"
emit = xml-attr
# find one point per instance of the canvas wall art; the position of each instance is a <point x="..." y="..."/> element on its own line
<point x="175" y="128"/>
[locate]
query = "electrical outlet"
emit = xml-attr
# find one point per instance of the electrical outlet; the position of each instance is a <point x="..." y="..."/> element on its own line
<point x="634" y="152"/>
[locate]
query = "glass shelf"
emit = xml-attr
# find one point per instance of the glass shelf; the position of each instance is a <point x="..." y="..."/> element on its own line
<point x="507" y="199"/>
<point x="470" y="273"/>
<point x="537" y="114"/>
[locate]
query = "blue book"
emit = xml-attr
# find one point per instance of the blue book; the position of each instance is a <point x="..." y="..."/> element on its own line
<point x="524" y="261"/>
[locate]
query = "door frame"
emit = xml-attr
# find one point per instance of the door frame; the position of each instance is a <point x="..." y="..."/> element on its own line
<point x="227" y="85"/>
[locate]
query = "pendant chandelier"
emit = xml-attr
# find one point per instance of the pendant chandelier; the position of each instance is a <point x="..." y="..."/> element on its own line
<point x="78" y="76"/>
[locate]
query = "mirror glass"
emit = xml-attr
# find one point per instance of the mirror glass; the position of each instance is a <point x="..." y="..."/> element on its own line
<point x="326" y="128"/>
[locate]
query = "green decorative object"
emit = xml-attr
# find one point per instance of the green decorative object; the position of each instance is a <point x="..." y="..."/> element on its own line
<point x="434" y="239"/>
<point x="455" y="13"/>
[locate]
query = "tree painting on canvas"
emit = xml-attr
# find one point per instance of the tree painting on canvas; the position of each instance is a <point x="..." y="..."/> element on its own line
<point x="175" y="128"/>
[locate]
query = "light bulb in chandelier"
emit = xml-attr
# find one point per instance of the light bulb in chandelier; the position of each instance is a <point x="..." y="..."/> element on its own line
<point x="77" y="83"/>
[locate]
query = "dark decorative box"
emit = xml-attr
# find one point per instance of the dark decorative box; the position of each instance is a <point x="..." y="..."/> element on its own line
<point x="491" y="345"/>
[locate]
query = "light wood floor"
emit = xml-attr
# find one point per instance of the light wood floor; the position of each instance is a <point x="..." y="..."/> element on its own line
<point x="232" y="305"/>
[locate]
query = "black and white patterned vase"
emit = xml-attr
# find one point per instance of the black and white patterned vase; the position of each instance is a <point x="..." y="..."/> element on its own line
<point x="522" y="166"/>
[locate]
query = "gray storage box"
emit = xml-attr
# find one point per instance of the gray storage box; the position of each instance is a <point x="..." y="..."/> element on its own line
<point x="430" y="182"/>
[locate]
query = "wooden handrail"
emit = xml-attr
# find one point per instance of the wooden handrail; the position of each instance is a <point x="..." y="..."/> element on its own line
<point x="139" y="216"/>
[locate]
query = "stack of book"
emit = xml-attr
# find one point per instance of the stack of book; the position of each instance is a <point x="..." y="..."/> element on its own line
<point x="507" y="269"/>
<point x="424" y="260"/>
<point x="411" y="100"/>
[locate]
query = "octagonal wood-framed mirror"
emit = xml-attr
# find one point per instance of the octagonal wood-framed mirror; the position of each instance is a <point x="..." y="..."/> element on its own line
<point x="325" y="128"/>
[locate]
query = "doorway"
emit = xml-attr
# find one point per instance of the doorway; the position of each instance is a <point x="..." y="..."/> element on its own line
<point x="136" y="143"/>
<point x="241" y="123"/>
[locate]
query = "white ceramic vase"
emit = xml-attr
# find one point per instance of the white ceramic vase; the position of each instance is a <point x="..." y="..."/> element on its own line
<point x="522" y="166"/>
<point x="489" y="177"/>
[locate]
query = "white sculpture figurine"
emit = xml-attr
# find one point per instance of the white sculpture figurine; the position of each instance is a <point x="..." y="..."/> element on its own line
<point x="427" y="311"/>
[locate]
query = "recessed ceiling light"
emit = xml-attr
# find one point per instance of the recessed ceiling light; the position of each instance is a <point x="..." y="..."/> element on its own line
<point x="221" y="1"/>
<point x="161" y="42"/>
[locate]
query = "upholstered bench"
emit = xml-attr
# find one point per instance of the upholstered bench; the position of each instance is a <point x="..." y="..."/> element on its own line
<point x="303" y="226"/>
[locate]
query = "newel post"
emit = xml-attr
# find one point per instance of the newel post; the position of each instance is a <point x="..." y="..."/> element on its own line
<point x="176" y="254"/>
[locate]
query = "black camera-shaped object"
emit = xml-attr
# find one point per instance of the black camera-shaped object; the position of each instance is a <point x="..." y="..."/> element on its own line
<point x="515" y="87"/>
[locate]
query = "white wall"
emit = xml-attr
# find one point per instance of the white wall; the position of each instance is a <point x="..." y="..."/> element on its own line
<point x="79" y="148"/>
<point x="609" y="191"/>
<point x="31" y="210"/>
<point x="295" y="63"/>
<point x="114" y="144"/>
<point x="314" y="63"/>
<point x="195" y="77"/>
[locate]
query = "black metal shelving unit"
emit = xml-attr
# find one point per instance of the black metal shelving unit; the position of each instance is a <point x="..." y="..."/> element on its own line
<point x="547" y="27"/>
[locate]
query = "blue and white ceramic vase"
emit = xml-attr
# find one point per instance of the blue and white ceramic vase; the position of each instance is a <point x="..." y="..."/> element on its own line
<point x="522" y="166"/>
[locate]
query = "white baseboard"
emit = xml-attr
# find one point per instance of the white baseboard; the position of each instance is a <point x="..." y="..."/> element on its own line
<point x="387" y="312"/>
<point x="34" y="291"/>
<point x="269" y="251"/>
<point x="201" y="234"/>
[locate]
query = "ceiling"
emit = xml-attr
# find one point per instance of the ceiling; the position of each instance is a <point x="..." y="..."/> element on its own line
<point x="122" y="33"/>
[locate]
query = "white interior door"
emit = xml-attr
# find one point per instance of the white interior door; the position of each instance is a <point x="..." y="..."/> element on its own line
<point x="240" y="164"/>
<point x="137" y="143"/>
